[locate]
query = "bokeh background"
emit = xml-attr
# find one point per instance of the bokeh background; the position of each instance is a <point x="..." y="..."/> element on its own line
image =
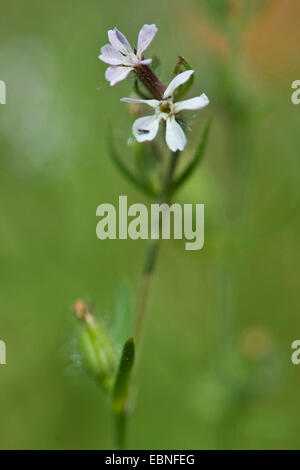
<point x="215" y="370"/>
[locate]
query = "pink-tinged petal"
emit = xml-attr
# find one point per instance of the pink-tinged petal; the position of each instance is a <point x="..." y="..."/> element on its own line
<point x="175" y="137"/>
<point x="111" y="56"/>
<point x="146" y="36"/>
<point x="194" y="103"/>
<point x="119" y="41"/>
<point x="153" y="103"/>
<point x="177" y="81"/>
<point x="116" y="74"/>
<point x="145" y="128"/>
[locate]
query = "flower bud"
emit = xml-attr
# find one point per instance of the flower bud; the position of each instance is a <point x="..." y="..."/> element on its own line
<point x="98" y="349"/>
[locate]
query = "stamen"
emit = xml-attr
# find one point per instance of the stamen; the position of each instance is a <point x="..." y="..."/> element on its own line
<point x="165" y="107"/>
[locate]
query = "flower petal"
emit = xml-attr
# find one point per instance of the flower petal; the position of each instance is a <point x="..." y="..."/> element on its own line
<point x="116" y="74"/>
<point x="177" y="81"/>
<point x="111" y="56"/>
<point x="153" y="103"/>
<point x="145" y="128"/>
<point x="194" y="103"/>
<point x="146" y="36"/>
<point x="175" y="137"/>
<point x="145" y="61"/>
<point x="119" y="41"/>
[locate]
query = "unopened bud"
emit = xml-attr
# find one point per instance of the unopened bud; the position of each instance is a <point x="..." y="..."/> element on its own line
<point x="81" y="311"/>
<point x="98" y="349"/>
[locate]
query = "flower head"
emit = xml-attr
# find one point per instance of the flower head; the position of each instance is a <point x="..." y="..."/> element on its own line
<point x="146" y="128"/>
<point x="120" y="55"/>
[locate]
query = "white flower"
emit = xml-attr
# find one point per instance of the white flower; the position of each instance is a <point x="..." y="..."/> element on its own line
<point x="145" y="128"/>
<point x="120" y="55"/>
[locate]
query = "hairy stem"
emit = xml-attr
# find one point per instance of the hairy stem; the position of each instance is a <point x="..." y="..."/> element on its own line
<point x="150" y="81"/>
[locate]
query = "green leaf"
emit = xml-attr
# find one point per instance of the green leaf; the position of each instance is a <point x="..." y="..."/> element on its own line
<point x="144" y="187"/>
<point x="122" y="321"/>
<point x="199" y="154"/>
<point x="121" y="387"/>
<point x="182" y="65"/>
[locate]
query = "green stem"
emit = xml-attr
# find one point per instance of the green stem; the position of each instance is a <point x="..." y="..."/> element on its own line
<point x="151" y="257"/>
<point x="120" y="430"/>
<point x="121" y="418"/>
<point x="145" y="287"/>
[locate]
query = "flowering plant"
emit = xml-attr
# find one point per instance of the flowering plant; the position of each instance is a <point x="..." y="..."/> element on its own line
<point x="110" y="354"/>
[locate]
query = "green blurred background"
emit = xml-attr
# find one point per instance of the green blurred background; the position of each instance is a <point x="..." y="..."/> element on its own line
<point x="215" y="370"/>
